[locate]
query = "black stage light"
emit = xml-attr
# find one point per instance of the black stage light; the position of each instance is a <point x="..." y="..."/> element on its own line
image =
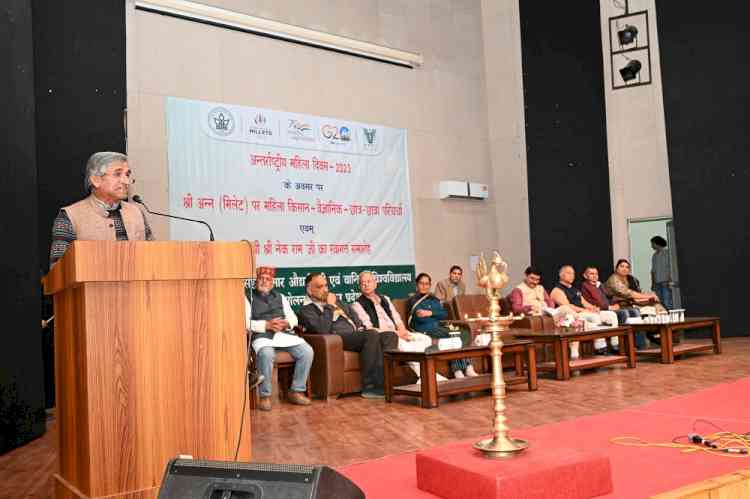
<point x="631" y="69"/>
<point x="627" y="35"/>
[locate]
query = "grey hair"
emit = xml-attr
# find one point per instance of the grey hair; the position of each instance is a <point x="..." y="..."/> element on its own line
<point x="566" y="266"/>
<point x="97" y="165"/>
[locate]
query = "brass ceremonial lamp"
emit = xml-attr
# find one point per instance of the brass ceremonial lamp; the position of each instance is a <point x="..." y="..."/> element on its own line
<point x="500" y="445"/>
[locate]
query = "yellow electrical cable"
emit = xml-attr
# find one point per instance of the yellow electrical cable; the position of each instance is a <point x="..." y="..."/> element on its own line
<point x="722" y="440"/>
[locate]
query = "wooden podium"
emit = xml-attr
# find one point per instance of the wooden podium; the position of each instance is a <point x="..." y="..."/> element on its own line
<point x="150" y="361"/>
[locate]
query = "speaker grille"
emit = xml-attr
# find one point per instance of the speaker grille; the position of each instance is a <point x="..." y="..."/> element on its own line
<point x="224" y="465"/>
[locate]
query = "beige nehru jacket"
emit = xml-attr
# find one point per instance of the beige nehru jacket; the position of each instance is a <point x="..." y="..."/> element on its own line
<point x="92" y="223"/>
<point x="533" y="296"/>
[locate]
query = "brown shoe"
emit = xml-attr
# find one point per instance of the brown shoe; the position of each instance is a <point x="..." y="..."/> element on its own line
<point x="264" y="404"/>
<point x="298" y="398"/>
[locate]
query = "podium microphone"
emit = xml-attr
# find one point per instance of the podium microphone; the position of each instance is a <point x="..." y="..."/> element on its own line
<point x="139" y="200"/>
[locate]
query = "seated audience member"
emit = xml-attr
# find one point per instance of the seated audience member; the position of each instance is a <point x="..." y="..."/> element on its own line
<point x="565" y="294"/>
<point x="425" y="313"/>
<point x="376" y="311"/>
<point x="624" y="289"/>
<point x="593" y="291"/>
<point x="451" y="287"/>
<point x="323" y="313"/>
<point x="529" y="297"/>
<point x="270" y="319"/>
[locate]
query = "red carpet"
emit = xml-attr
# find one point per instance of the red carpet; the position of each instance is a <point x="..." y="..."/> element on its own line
<point x="637" y="472"/>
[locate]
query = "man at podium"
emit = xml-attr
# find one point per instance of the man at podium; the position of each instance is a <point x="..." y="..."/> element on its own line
<point x="103" y="214"/>
<point x="271" y="320"/>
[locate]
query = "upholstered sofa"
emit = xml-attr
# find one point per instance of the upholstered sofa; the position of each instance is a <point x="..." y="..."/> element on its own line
<point x="336" y="372"/>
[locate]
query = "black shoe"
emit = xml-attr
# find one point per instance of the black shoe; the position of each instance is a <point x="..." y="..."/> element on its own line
<point x="373" y="393"/>
<point x="601" y="351"/>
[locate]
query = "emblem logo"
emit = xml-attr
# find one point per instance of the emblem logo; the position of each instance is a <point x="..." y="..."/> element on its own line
<point x="221" y="121"/>
<point x="369" y="136"/>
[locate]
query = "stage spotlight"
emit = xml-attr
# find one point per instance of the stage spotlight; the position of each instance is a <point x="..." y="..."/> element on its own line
<point x="627" y="34"/>
<point x="631" y="69"/>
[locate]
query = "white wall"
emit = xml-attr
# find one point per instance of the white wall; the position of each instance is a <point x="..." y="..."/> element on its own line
<point x="636" y="138"/>
<point x="506" y="126"/>
<point x="443" y="104"/>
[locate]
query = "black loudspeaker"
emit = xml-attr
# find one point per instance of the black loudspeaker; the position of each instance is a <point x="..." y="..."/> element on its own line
<point x="191" y="479"/>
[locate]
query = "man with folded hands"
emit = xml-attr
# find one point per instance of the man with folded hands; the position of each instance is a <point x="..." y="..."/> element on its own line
<point x="271" y="320"/>
<point x="323" y="313"/>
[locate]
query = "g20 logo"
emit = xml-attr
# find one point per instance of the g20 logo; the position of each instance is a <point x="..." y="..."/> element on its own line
<point x="335" y="134"/>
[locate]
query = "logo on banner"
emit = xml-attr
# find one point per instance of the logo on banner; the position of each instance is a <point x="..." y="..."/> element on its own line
<point x="300" y="130"/>
<point x="259" y="128"/>
<point x="221" y="121"/>
<point x="335" y="134"/>
<point x="370" y="138"/>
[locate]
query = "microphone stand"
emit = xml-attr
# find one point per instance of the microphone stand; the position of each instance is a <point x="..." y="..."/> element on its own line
<point x="138" y="200"/>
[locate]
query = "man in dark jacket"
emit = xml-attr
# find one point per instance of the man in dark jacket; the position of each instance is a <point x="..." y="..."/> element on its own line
<point x="323" y="313"/>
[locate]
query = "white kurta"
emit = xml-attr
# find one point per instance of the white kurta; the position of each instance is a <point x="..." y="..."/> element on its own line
<point x="283" y="339"/>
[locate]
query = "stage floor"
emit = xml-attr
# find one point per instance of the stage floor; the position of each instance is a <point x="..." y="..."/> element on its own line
<point x="636" y="471"/>
<point x="353" y="430"/>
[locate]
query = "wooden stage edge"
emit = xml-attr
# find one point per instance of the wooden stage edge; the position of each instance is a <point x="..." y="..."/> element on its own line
<point x="731" y="485"/>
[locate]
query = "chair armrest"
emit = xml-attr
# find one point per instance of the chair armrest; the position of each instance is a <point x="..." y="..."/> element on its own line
<point x="327" y="373"/>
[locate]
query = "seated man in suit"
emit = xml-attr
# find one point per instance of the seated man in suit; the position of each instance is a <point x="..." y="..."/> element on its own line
<point x="270" y="319"/>
<point x="451" y="287"/>
<point x="323" y="313"/>
<point x="104" y="214"/>
<point x="530" y="297"/>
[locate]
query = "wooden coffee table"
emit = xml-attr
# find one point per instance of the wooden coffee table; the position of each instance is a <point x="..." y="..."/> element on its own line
<point x="669" y="349"/>
<point x="430" y="390"/>
<point x="560" y="339"/>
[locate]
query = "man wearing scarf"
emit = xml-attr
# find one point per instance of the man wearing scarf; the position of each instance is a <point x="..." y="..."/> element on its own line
<point x="104" y="214"/>
<point x="270" y="319"/>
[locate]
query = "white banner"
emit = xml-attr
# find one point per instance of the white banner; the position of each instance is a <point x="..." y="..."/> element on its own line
<point x="308" y="191"/>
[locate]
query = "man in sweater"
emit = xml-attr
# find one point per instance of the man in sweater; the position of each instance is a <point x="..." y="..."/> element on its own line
<point x="104" y="214"/>
<point x="323" y="313"/>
